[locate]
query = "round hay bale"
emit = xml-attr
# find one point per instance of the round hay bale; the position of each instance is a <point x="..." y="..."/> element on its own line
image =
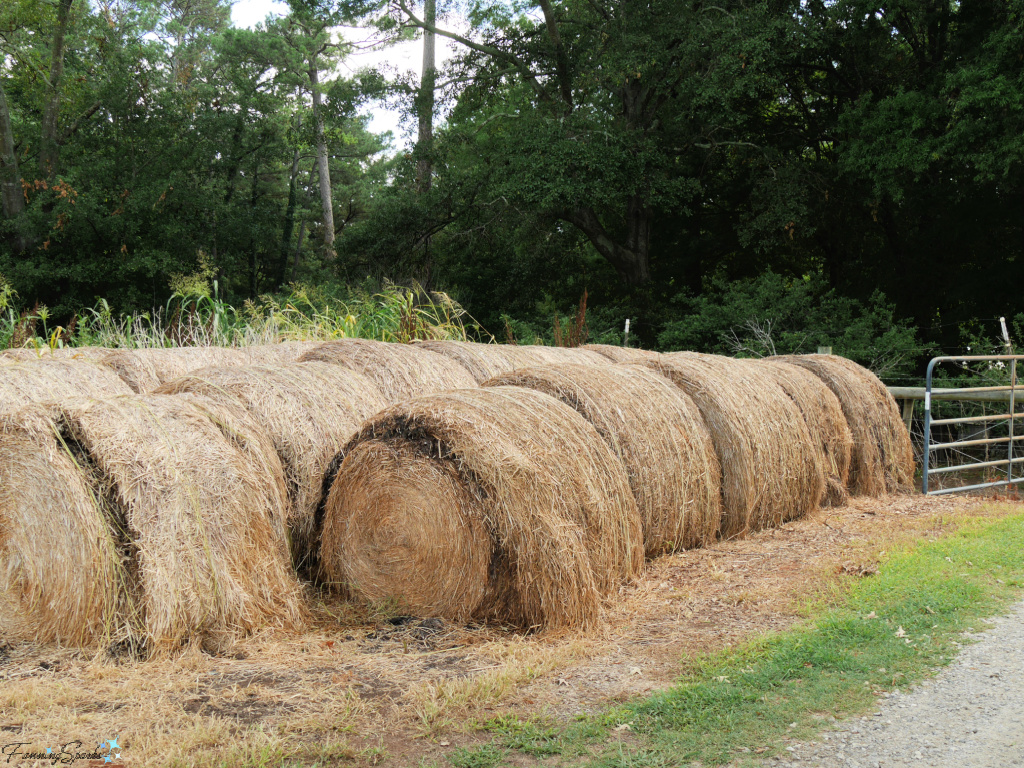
<point x="882" y="460"/>
<point x="483" y="361"/>
<point x="771" y="470"/>
<point x="410" y="532"/>
<point x="309" y="411"/>
<point x="198" y="519"/>
<point x="658" y="434"/>
<point x="92" y="354"/>
<point x="563" y="524"/>
<point x="399" y="371"/>
<point x="48" y="380"/>
<point x="622" y="354"/>
<point x="146" y="369"/>
<point x="62" y="574"/>
<point x="824" y="417"/>
<point x="281" y="352"/>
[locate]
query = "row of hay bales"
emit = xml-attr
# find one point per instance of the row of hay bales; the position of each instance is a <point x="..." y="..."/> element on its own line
<point x="156" y="497"/>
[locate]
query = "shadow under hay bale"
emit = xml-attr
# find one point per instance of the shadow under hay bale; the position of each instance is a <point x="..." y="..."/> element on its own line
<point x="824" y="417"/>
<point x="883" y="457"/>
<point x="399" y="371"/>
<point x="48" y="380"/>
<point x="146" y="369"/>
<point x="622" y="354"/>
<point x="771" y="471"/>
<point x="186" y="503"/>
<point x="563" y="525"/>
<point x="659" y="435"/>
<point x="309" y="411"/>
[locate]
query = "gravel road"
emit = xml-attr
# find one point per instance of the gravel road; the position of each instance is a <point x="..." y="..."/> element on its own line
<point x="970" y="716"/>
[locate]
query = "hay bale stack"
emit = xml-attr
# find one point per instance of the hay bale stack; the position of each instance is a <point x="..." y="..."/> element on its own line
<point x="771" y="471"/>
<point x="146" y="369"/>
<point x="49" y="380"/>
<point x="399" y="371"/>
<point x="536" y="354"/>
<point x="192" y="511"/>
<point x="883" y="456"/>
<point x="658" y="434"/>
<point x="309" y="411"/>
<point x="622" y="354"/>
<point x="564" y="529"/>
<point x="824" y="417"/>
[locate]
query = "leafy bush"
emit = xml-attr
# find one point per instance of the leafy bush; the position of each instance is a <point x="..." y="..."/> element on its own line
<point x="772" y="314"/>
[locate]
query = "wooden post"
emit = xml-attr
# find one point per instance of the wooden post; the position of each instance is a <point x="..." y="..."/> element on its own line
<point x="908" y="413"/>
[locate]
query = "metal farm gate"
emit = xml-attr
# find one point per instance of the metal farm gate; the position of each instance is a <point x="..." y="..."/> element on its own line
<point x="997" y="430"/>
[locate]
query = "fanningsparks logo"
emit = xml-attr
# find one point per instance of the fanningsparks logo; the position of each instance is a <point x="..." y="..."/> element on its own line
<point x="108" y="751"/>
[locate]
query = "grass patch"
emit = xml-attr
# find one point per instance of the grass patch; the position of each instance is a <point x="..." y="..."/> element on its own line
<point x="887" y="631"/>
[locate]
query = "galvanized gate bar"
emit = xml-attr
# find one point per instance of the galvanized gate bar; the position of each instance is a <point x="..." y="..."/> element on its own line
<point x="972" y="394"/>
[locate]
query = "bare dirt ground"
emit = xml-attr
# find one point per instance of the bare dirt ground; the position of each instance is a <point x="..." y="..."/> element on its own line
<point x="381" y="689"/>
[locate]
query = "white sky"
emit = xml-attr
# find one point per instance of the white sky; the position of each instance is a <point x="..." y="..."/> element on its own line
<point x="404" y="56"/>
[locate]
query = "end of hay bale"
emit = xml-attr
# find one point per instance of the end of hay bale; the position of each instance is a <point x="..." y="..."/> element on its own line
<point x="401" y="527"/>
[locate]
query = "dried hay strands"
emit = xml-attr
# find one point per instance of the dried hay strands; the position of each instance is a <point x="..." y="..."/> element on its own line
<point x="563" y="525"/>
<point x="622" y="354"/>
<point x="281" y="352"/>
<point x="824" y="417"/>
<point x="24" y="354"/>
<point x="48" y="380"/>
<point x="146" y="369"/>
<point x="659" y="435"/>
<point x="485" y="361"/>
<point x="194" y="503"/>
<point x="771" y="471"/>
<point x="399" y="371"/>
<point x="309" y="411"/>
<point x="62" y="574"/>
<point x="883" y="456"/>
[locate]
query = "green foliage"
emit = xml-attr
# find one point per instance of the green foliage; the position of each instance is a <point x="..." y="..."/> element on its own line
<point x="204" y="319"/>
<point x="772" y="314"/>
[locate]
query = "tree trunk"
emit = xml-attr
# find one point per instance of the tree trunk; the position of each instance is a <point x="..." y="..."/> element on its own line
<point x="425" y="100"/>
<point x="322" y="165"/>
<point x="632" y="259"/>
<point x="10" y="178"/>
<point x="289" y="218"/>
<point x="49" y="148"/>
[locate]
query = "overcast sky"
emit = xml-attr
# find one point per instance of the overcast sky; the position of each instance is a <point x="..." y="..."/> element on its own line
<point x="404" y="56"/>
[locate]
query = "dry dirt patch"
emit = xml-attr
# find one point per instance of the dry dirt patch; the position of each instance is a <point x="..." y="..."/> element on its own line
<point x="390" y="690"/>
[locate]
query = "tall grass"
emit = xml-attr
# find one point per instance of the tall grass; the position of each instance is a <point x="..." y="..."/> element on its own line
<point x="204" y="319"/>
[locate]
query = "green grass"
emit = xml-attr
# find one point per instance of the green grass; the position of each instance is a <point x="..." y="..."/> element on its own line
<point x="888" y="631"/>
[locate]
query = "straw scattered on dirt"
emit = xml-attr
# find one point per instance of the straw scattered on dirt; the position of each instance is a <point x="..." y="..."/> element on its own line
<point x="383" y="690"/>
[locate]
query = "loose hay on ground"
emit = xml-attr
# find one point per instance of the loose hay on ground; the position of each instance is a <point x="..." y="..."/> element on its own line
<point x="771" y="471"/>
<point x="883" y="457"/>
<point x="399" y="371"/>
<point x="824" y="417"/>
<point x="659" y="435"/>
<point x="309" y="411"/>
<point x="196" y="521"/>
<point x="563" y="524"/>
